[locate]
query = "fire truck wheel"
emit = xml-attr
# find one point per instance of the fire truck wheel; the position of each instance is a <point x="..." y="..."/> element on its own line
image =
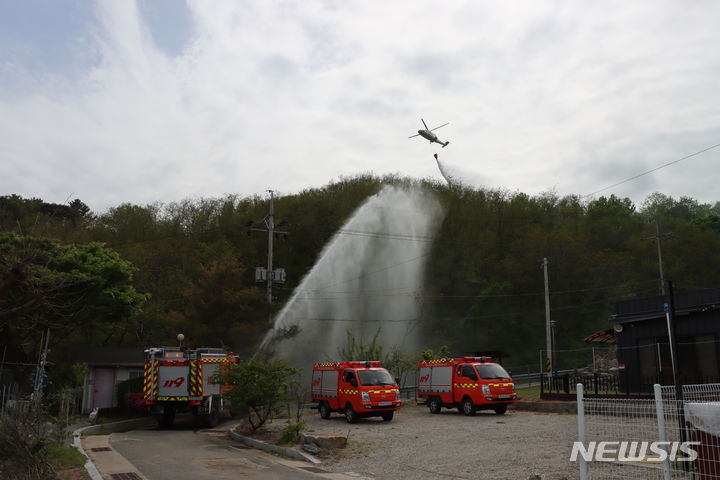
<point x="324" y="410"/>
<point x="167" y="418"/>
<point x="387" y="416"/>
<point x="434" y="405"/>
<point x="350" y="414"/>
<point x="468" y="407"/>
<point x="211" y="419"/>
<point x="501" y="409"/>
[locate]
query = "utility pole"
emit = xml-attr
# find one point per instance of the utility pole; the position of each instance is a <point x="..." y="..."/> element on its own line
<point x="268" y="275"/>
<point x="674" y="359"/>
<point x="657" y="237"/>
<point x="548" y="331"/>
<point x="270" y="223"/>
<point x="40" y="371"/>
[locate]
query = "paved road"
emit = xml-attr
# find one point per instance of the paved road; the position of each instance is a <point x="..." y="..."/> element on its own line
<point x="187" y="452"/>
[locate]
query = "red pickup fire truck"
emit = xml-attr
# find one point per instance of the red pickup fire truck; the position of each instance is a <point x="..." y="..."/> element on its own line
<point x="468" y="383"/>
<point x="356" y="389"/>
<point x="180" y="380"/>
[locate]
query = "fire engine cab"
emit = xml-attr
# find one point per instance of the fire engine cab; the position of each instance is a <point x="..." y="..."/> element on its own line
<point x="468" y="383"/>
<point x="356" y="389"/>
<point x="177" y="379"/>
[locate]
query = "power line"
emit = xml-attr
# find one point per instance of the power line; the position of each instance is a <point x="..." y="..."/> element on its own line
<point x="470" y="317"/>
<point x="388" y="236"/>
<point x="368" y="273"/>
<point x="406" y="291"/>
<point x="653" y="170"/>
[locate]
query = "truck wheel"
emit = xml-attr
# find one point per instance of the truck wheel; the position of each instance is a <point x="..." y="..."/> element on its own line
<point x="167" y="418"/>
<point x="501" y="409"/>
<point x="387" y="416"/>
<point x="211" y="419"/>
<point x="468" y="407"/>
<point x="324" y="410"/>
<point x="350" y="414"/>
<point x="434" y="405"/>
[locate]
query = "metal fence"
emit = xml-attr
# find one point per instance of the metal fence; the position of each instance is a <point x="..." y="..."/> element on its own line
<point x="657" y="438"/>
<point x="561" y="385"/>
<point x="8" y="394"/>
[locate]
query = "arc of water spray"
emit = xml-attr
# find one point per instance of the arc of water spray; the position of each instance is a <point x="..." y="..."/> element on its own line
<point x="362" y="264"/>
<point x="445" y="175"/>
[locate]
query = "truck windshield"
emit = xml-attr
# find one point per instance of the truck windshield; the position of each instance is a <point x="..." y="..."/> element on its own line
<point x="491" y="372"/>
<point x="375" y="377"/>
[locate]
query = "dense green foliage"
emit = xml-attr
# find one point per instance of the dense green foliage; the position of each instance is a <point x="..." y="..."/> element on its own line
<point x="258" y="388"/>
<point x="31" y="448"/>
<point x="484" y="280"/>
<point x="82" y="293"/>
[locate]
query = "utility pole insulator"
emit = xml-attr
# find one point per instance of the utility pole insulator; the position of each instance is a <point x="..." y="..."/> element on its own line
<point x="260" y="274"/>
<point x="278" y="275"/>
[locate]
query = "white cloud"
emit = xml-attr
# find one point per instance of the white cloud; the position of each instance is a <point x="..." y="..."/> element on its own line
<point x="570" y="95"/>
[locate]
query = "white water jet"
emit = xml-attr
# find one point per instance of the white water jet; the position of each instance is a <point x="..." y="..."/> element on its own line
<point x="368" y="277"/>
<point x="454" y="175"/>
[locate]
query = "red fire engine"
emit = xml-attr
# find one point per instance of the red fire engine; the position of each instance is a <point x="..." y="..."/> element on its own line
<point x="356" y="389"/>
<point x="179" y="380"/>
<point x="468" y="383"/>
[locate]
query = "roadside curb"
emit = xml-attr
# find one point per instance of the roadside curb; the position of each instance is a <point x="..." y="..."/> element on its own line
<point x="545" y="406"/>
<point x="116" y="427"/>
<point x="89" y="465"/>
<point x="268" y="447"/>
<point x="104" y="429"/>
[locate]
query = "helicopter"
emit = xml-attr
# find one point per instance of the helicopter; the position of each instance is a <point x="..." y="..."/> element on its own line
<point x="427" y="134"/>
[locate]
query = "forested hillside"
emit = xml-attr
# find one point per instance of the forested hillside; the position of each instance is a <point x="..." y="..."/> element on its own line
<point x="195" y="260"/>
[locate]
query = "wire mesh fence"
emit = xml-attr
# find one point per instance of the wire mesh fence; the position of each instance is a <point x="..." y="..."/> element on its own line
<point x="665" y="437"/>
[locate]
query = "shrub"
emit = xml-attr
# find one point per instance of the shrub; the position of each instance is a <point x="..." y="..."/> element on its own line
<point x="23" y="442"/>
<point x="259" y="388"/>
<point x="291" y="433"/>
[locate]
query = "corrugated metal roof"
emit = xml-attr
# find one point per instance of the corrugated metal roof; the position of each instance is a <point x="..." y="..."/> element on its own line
<point x="606" y="335"/>
<point x="654" y="307"/>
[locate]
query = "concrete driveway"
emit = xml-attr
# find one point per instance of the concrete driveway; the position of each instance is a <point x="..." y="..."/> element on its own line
<point x="188" y="452"/>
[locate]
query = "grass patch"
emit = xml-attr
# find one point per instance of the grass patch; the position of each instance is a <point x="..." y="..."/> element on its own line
<point x="63" y="456"/>
<point x="529" y="393"/>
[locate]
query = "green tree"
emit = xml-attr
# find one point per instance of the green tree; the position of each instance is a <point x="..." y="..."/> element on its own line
<point x="220" y="310"/>
<point x="360" y="349"/>
<point x="78" y="292"/>
<point x="259" y="388"/>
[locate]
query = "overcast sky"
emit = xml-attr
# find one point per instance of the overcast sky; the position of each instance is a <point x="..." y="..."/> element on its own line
<point x="116" y="101"/>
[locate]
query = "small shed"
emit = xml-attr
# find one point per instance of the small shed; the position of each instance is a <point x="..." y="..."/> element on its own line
<point x="643" y="348"/>
<point x="108" y="366"/>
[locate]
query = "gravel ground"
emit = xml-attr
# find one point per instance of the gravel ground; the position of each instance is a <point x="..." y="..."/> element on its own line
<point x="419" y="445"/>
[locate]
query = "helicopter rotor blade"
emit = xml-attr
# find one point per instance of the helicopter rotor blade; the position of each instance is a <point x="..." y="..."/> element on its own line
<point x="416" y="135"/>
<point x="440" y="126"/>
<point x="426" y="127"/>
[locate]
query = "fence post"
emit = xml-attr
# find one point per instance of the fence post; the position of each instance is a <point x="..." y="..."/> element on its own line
<point x="595" y="381"/>
<point x="581" y="429"/>
<point x="661" y="427"/>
